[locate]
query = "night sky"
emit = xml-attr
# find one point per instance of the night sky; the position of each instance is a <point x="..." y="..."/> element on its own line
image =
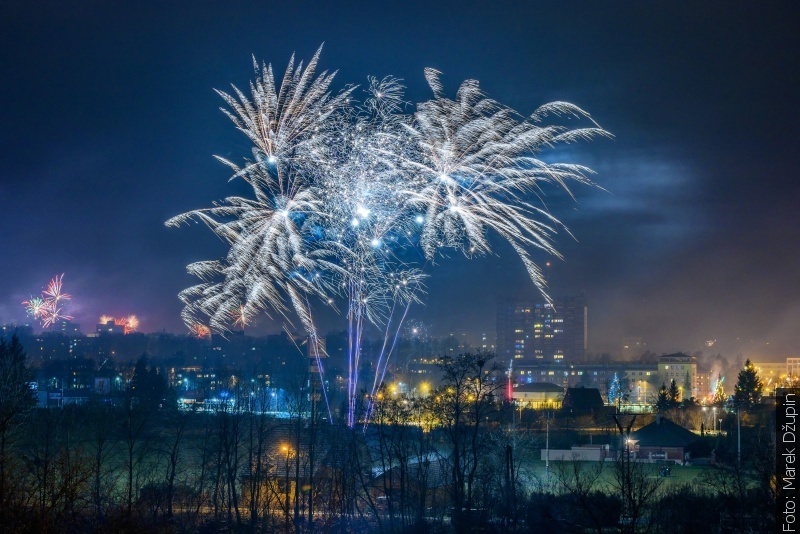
<point x="109" y="122"/>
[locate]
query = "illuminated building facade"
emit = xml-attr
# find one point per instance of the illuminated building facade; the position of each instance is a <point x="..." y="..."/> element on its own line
<point x="683" y="370"/>
<point x="772" y="374"/>
<point x="793" y="368"/>
<point x="534" y="330"/>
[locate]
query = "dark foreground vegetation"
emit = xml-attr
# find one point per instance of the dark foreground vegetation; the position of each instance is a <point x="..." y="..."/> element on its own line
<point x="447" y="463"/>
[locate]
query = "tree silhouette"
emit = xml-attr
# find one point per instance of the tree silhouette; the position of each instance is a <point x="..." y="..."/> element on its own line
<point x="674" y="394"/>
<point x="748" y="388"/>
<point x="466" y="399"/>
<point x="148" y="386"/>
<point x="662" y="401"/>
<point x="16" y="398"/>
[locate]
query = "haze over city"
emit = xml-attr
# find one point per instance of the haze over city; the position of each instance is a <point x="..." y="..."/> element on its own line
<point x="110" y="122"/>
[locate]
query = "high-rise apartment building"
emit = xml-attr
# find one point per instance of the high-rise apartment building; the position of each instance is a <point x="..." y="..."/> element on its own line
<point x="535" y="330"/>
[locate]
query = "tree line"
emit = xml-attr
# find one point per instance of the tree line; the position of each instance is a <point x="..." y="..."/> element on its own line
<point x="448" y="462"/>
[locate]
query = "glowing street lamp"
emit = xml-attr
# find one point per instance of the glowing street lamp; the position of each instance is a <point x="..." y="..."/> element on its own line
<point x="287" y="450"/>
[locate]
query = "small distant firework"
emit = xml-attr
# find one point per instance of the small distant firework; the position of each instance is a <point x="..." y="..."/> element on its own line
<point x="53" y="292"/>
<point x="48" y="308"/>
<point x="200" y="331"/>
<point x="35" y="307"/>
<point x="416" y="330"/>
<point x="129" y="324"/>
<point x="240" y="317"/>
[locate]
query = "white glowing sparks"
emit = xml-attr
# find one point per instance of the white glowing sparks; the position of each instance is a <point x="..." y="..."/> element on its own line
<point x="443" y="177"/>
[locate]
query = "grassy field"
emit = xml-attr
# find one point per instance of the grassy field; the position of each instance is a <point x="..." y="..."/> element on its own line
<point x="679" y="474"/>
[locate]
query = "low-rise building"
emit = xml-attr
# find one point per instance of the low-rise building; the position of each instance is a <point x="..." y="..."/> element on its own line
<point x="582" y="453"/>
<point x="582" y="401"/>
<point x="538" y="396"/>
<point x="662" y="440"/>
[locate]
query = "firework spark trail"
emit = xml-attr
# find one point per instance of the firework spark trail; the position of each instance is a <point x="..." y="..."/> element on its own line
<point x="53" y="292"/>
<point x="47" y="308"/>
<point x="35" y="307"/>
<point x="314" y="339"/>
<point x="380" y="372"/>
<point x="341" y="186"/>
<point x="131" y="324"/>
<point x="240" y="317"/>
<point x="476" y="160"/>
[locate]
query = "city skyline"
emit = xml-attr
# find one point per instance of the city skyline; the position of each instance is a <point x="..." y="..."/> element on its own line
<point x="688" y="244"/>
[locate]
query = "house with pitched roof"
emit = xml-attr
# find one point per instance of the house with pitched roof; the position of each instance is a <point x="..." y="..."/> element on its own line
<point x="662" y="440"/>
<point x="582" y="401"/>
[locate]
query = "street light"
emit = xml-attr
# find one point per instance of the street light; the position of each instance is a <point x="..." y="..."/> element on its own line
<point x="287" y="450"/>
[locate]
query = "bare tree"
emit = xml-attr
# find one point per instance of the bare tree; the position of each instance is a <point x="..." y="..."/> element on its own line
<point x="260" y="431"/>
<point x="101" y="446"/>
<point x="60" y="469"/>
<point x="638" y="484"/>
<point x="579" y="480"/>
<point x="175" y="423"/>
<point x="132" y="423"/>
<point x="466" y="399"/>
<point x="16" y="399"/>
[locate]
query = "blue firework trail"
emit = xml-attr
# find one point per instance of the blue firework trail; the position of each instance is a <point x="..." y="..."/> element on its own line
<point x="340" y="186"/>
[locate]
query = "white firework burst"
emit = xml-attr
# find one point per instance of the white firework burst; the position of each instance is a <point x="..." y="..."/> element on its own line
<point x="340" y="187"/>
<point x="477" y="163"/>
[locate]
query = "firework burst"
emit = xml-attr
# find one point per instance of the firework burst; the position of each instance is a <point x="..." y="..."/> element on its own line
<point x="240" y="317"/>
<point x="129" y="324"/>
<point x="200" y="331"/>
<point x="476" y="162"/>
<point x="35" y="307"/>
<point x="340" y="186"/>
<point x="48" y="308"/>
